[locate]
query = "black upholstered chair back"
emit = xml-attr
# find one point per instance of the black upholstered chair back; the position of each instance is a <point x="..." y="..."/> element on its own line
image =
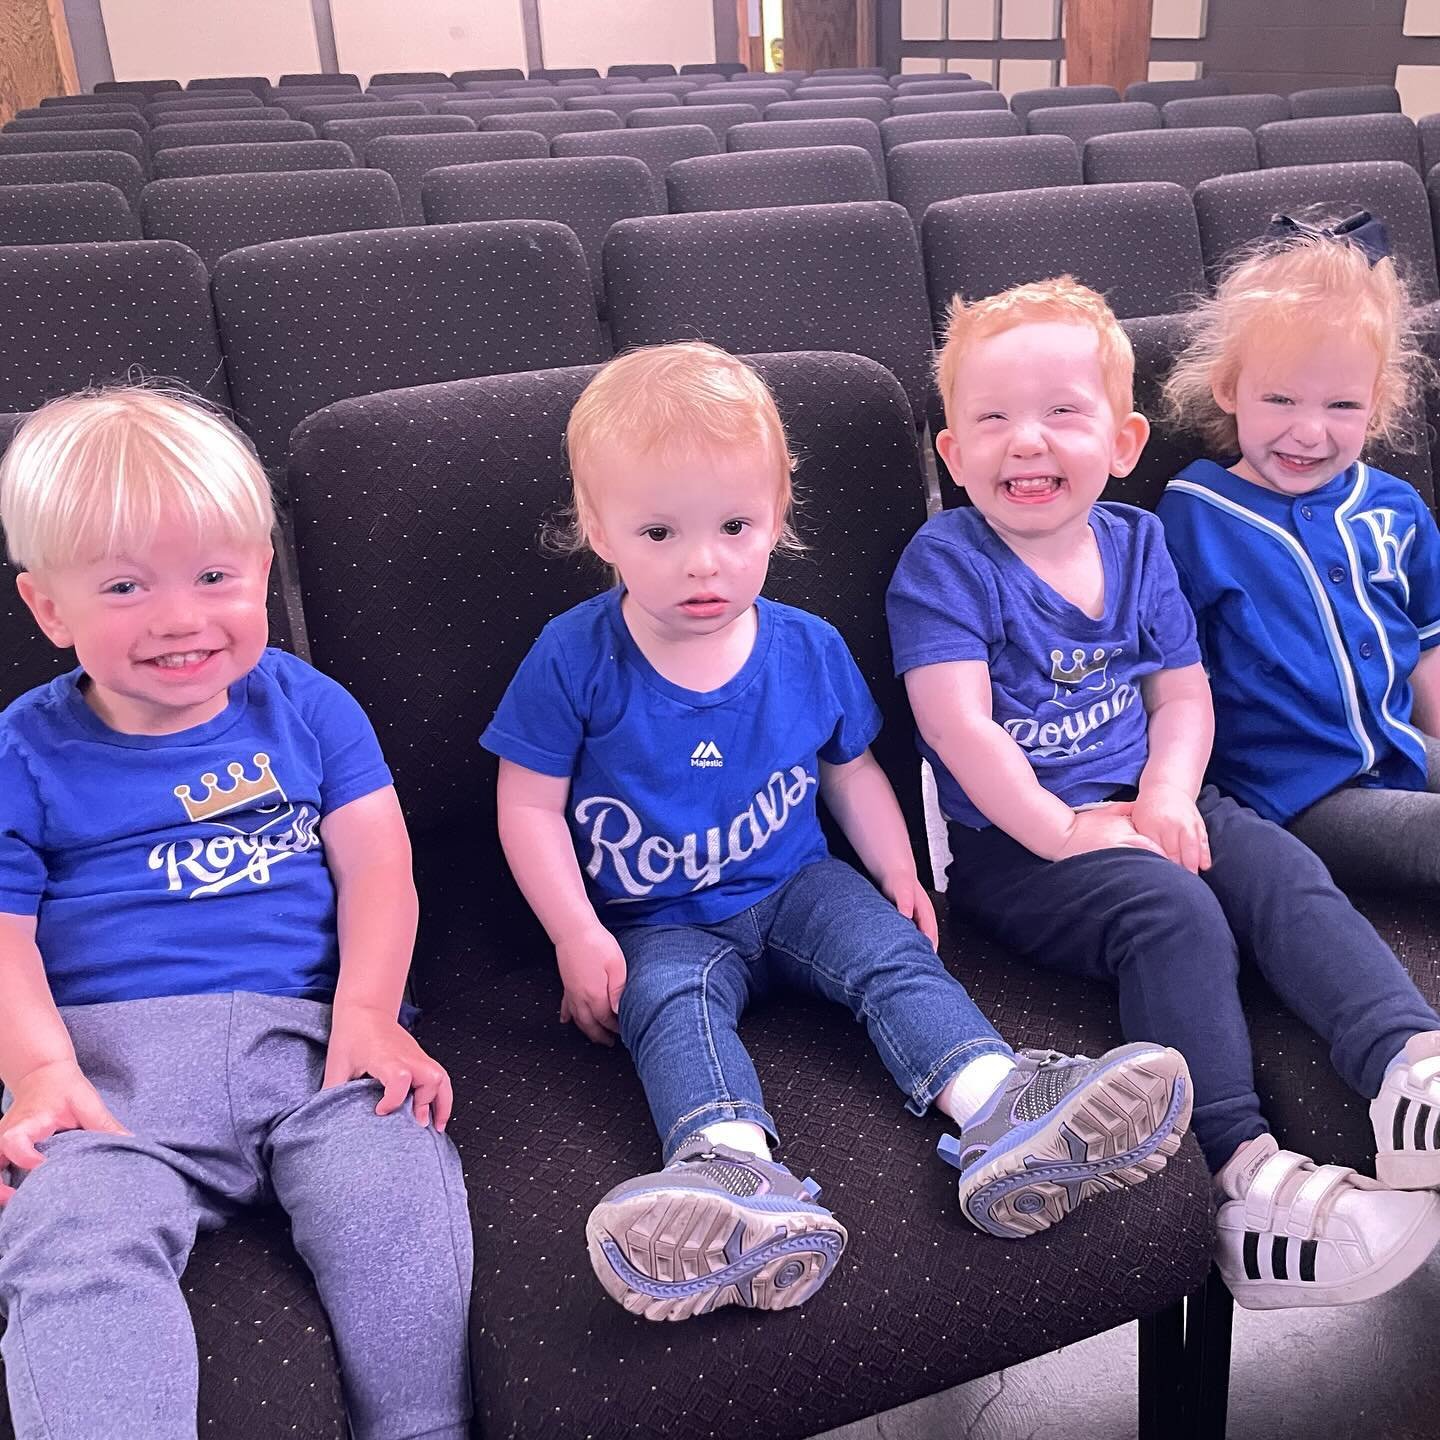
<point x="253" y="158"/>
<point x="1345" y="100"/>
<point x="306" y="322"/>
<point x="63" y="214"/>
<point x="358" y="134"/>
<point x="407" y="159"/>
<point x="926" y="171"/>
<point x="80" y="120"/>
<point x="834" y="277"/>
<point x="108" y="167"/>
<point x="804" y="134"/>
<point x="81" y="142"/>
<point x="418" y="517"/>
<point x="229" y="132"/>
<point x="756" y="179"/>
<point x="1336" y="139"/>
<point x="658" y="148"/>
<point x="1184" y="157"/>
<point x="91" y="313"/>
<point x="219" y="115"/>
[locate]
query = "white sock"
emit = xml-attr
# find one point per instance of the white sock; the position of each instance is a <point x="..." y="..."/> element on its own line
<point x="972" y="1086"/>
<point x="743" y="1135"/>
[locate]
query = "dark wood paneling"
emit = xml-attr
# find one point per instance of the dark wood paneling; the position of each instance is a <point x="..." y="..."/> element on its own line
<point x="819" y="34"/>
<point x="1108" y="42"/>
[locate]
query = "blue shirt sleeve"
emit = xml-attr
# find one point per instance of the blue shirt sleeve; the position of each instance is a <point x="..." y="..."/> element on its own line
<point x="538" y="724"/>
<point x="938" y="607"/>
<point x="22" y="868"/>
<point x="352" y="764"/>
<point x="1165" y="613"/>
<point x="1423" y="570"/>
<point x="859" y="716"/>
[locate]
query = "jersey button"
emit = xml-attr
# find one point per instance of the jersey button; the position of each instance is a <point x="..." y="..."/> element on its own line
<point x="1307" y="512"/>
<point x="1366" y="649"/>
<point x="1337" y="573"/>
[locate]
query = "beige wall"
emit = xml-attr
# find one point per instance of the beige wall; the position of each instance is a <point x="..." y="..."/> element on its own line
<point x="614" y="32"/>
<point x="444" y="35"/>
<point x="182" y="39"/>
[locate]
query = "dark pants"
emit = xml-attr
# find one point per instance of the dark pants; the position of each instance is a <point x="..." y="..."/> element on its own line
<point x="1172" y="941"/>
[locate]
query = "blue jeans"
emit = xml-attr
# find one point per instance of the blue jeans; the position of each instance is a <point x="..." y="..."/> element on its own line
<point x="1172" y="943"/>
<point x="827" y="931"/>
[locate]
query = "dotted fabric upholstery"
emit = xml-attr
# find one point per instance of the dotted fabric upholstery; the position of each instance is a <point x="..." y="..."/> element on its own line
<point x="357" y="134"/>
<point x="417" y="91"/>
<point x="81" y="102"/>
<point x="1428" y="129"/>
<point x="575" y="90"/>
<point x="229" y="132"/>
<point x="1344" y="100"/>
<point x="658" y="148"/>
<point x="1335" y="139"/>
<point x="1235" y="209"/>
<point x="754" y="179"/>
<point x="1249" y="111"/>
<point x="40" y="142"/>
<point x="408" y="158"/>
<point x="577" y="72"/>
<point x="77" y="121"/>
<point x="1185" y="157"/>
<point x="790" y="134"/>
<point x="39" y="112"/>
<point x="1158" y="92"/>
<point x="640" y="72"/>
<point x="258" y="84"/>
<point x="66" y="213"/>
<point x="214" y="214"/>
<point x="252" y="159"/>
<point x="109" y="167"/>
<point x="360" y="110"/>
<point x="427" y="628"/>
<point x="309" y="321"/>
<point x="1081" y="122"/>
<point x="879" y="91"/>
<point x="551" y="123"/>
<point x="137" y="87"/>
<point x="834" y="277"/>
<point x="872" y="110"/>
<point x="948" y="125"/>
<point x="460" y="77"/>
<point x="478" y="108"/>
<point x="962" y="101"/>
<point x="215" y="100"/>
<point x="757" y="95"/>
<point x="408" y="77"/>
<point x="938" y="85"/>
<point x="717" y="118"/>
<point x="321" y="100"/>
<point x="257" y="111"/>
<point x="1137" y="244"/>
<point x="344" y="80"/>
<point x="588" y="193"/>
<point x="925" y="171"/>
<point x="622" y="106"/>
<point x="726" y="69"/>
<point x="82" y="314"/>
<point x="1022" y="102"/>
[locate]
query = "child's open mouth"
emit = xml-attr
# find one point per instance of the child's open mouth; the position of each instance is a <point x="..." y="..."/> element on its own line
<point x="1031" y="489"/>
<point x="179" y="661"/>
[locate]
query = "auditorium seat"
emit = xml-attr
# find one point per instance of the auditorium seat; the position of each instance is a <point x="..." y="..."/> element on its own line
<point x="217" y="117"/>
<point x="321" y="79"/>
<point x="961" y="101"/>
<point x="148" y="88"/>
<point x="78" y="120"/>
<point x="1022" y="102"/>
<point x="805" y="277"/>
<point x="296" y="102"/>
<point x="202" y="103"/>
<point x="574" y="72"/>
<point x="257" y="84"/>
<point x="756" y="179"/>
<point x="1428" y="129"/>
<point x="408" y="77"/>
<point x="658" y="148"/>
<point x="872" y="110"/>
<point x="925" y="171"/>
<point x="719" y="119"/>
<point x="125" y="143"/>
<point x="414" y="91"/>
<point x="939" y="85"/>
<point x="228" y="132"/>
<point x="726" y="69"/>
<point x="110" y="101"/>
<point x="812" y="91"/>
<point x="357" y="134"/>
<point x="407" y="159"/>
<point x="40" y="111"/>
<point x="1344" y="100"/>
<point x="1185" y="157"/>
<point x="1081" y="122"/>
<point x="1158" y="92"/>
<point x="478" y="107"/>
<point x="366" y="109"/>
<point x="550" y="123"/>
<point x="305" y="322"/>
<point x="1235" y="209"/>
<point x="587" y="193"/>
<point x="214" y="214"/>
<point x="1335" y="139"/>
<point x="790" y="134"/>
<point x="640" y="72"/>
<point x="757" y="95"/>
<point x="1248" y="111"/>
<point x="252" y="159"/>
<point x="65" y="214"/>
<point x="948" y="125"/>
<point x="621" y="106"/>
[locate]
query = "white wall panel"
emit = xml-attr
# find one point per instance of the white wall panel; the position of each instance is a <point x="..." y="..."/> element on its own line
<point x="444" y="35"/>
<point x="618" y="32"/>
<point x="185" y="39"/>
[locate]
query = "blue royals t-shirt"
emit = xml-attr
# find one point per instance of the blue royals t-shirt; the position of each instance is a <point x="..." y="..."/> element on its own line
<point x="182" y="864"/>
<point x="1065" y="687"/>
<point x="686" y="807"/>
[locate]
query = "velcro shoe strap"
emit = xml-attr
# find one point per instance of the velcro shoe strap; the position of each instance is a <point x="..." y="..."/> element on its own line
<point x="1262" y="1198"/>
<point x="1305" y="1207"/>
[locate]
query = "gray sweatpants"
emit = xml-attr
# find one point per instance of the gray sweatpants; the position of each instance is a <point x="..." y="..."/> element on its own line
<point x="1378" y="839"/>
<point x="223" y="1095"/>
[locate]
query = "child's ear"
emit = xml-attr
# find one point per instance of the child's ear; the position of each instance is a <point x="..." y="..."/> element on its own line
<point x="44" y="609"/>
<point x="949" y="451"/>
<point x="1222" y="388"/>
<point x="1130" y="441"/>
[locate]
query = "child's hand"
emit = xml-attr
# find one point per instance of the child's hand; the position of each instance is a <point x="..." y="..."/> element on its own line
<point x="369" y="1042"/>
<point x="1168" y="816"/>
<point x="592" y="969"/>
<point x="1106" y="827"/>
<point x="912" y="900"/>
<point x="51" y="1098"/>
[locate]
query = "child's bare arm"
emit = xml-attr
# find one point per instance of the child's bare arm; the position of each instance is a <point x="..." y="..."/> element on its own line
<point x="859" y="796"/>
<point x="368" y="851"/>
<point x="1180" y="732"/>
<point x="1425" y="687"/>
<point x="37" y="1060"/>
<point x="953" y="710"/>
<point x="541" y="855"/>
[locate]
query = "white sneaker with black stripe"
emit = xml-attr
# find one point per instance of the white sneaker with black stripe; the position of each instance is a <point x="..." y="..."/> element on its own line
<point x="1291" y="1232"/>
<point x="1406" y="1117"/>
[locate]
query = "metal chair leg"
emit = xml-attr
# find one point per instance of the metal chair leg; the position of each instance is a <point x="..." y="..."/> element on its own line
<point x="1162" y="1372"/>
<point x="1209" y="1314"/>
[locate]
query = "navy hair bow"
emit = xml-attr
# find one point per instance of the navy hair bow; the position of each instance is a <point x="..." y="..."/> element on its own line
<point x="1362" y="230"/>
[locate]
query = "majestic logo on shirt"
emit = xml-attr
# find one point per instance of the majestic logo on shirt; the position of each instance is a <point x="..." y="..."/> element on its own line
<point x="706" y="756"/>
<point x="641" y="862"/>
<point x="1390" y="547"/>
<point x="1088" y="697"/>
<point x="252" y="842"/>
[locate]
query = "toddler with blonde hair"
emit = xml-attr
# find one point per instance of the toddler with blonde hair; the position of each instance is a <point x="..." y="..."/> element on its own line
<point x="1052" y="665"/>
<point x="662" y="747"/>
<point x="206" y="919"/>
